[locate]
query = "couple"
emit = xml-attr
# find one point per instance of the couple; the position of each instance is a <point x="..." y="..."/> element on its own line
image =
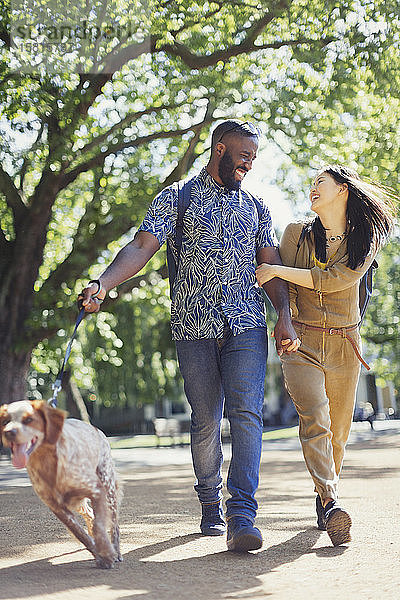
<point x="218" y="321"/>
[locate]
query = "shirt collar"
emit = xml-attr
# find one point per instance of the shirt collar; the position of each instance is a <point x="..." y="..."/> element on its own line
<point x="208" y="181"/>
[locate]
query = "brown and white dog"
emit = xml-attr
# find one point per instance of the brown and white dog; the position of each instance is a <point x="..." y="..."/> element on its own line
<point x="69" y="462"/>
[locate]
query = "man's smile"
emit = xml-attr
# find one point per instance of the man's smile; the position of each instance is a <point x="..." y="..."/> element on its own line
<point x="240" y="173"/>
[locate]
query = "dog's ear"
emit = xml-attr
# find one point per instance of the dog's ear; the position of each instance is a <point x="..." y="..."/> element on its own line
<point x="53" y="420"/>
<point x="3" y="413"/>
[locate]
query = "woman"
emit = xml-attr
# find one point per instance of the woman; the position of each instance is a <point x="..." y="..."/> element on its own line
<point x="323" y="261"/>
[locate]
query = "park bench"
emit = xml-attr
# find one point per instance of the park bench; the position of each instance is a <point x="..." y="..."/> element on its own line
<point x="167" y="427"/>
<point x="171" y="427"/>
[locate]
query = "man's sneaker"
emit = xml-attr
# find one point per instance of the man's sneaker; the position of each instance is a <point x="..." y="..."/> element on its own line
<point x="320" y="514"/>
<point x="338" y="523"/>
<point x="212" y="520"/>
<point x="242" y="535"/>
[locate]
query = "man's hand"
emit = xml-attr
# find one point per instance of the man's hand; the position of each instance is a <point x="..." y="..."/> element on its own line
<point x="286" y="340"/>
<point x="91" y="297"/>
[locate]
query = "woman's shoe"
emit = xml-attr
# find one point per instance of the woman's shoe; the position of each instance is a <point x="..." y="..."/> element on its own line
<point x="320" y="514"/>
<point x="338" y="523"/>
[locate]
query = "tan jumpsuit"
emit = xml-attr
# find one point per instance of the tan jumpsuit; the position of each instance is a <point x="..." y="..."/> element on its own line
<point x="322" y="376"/>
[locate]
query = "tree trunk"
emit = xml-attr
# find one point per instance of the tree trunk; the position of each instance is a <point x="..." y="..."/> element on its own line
<point x="19" y="271"/>
<point x="75" y="404"/>
<point x="14" y="368"/>
<point x="15" y="351"/>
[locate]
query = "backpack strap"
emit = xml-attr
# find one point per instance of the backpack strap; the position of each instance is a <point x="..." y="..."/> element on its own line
<point x="183" y="202"/>
<point x="184" y="198"/>
<point x="301" y="240"/>
<point x="257" y="204"/>
<point x="365" y="290"/>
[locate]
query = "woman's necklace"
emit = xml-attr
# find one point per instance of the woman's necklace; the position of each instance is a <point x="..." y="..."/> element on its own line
<point x="335" y="238"/>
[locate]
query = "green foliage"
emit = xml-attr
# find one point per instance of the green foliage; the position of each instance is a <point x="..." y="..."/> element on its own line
<point x="84" y="153"/>
<point x="131" y="347"/>
<point x="381" y="330"/>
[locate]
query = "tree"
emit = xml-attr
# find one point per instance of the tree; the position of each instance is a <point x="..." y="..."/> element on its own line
<point x="98" y="144"/>
<point x="381" y="328"/>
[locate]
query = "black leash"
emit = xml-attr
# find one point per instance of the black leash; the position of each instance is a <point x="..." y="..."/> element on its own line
<point x="56" y="387"/>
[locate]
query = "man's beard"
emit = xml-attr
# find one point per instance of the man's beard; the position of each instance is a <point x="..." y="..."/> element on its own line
<point x="226" y="171"/>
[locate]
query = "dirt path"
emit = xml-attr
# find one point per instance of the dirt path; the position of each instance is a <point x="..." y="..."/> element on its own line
<point x="165" y="558"/>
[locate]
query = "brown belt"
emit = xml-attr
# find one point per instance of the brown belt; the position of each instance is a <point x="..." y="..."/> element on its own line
<point x="339" y="331"/>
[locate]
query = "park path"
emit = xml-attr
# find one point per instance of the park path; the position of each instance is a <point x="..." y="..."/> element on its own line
<point x="166" y="559"/>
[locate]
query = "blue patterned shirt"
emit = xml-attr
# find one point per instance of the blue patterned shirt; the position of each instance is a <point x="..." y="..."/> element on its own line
<point x="215" y="282"/>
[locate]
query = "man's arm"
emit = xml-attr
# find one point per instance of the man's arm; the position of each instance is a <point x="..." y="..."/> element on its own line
<point x="286" y="339"/>
<point x="129" y="261"/>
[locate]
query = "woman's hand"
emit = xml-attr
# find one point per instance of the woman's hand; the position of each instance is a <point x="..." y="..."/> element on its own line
<point x="265" y="273"/>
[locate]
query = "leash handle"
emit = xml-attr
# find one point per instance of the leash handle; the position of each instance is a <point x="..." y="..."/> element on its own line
<point x="56" y="387"/>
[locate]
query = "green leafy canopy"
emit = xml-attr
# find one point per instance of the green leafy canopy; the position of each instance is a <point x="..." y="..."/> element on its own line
<point x="87" y="144"/>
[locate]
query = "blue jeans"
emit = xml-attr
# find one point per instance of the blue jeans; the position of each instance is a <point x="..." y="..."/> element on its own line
<point x="231" y="369"/>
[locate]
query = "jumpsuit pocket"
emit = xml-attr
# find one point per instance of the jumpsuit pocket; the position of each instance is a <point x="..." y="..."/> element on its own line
<point x="299" y="329"/>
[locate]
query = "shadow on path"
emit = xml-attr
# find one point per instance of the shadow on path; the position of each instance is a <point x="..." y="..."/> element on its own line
<point x="216" y="576"/>
<point x="159" y="503"/>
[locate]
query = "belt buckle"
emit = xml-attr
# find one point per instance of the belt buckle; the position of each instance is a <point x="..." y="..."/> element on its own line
<point x="332" y="331"/>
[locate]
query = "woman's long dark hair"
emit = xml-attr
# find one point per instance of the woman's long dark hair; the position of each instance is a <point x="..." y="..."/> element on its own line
<point x="370" y="216"/>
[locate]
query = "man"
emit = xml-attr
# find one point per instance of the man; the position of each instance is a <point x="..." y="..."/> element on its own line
<point x="218" y="321"/>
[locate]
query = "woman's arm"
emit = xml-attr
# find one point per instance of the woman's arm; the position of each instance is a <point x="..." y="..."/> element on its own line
<point x="266" y="272"/>
<point x="335" y="278"/>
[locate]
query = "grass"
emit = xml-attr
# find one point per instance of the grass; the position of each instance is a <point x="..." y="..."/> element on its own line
<point x="150" y="441"/>
<point x="281" y="434"/>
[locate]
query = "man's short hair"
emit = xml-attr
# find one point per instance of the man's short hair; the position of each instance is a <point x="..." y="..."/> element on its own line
<point x="243" y="128"/>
